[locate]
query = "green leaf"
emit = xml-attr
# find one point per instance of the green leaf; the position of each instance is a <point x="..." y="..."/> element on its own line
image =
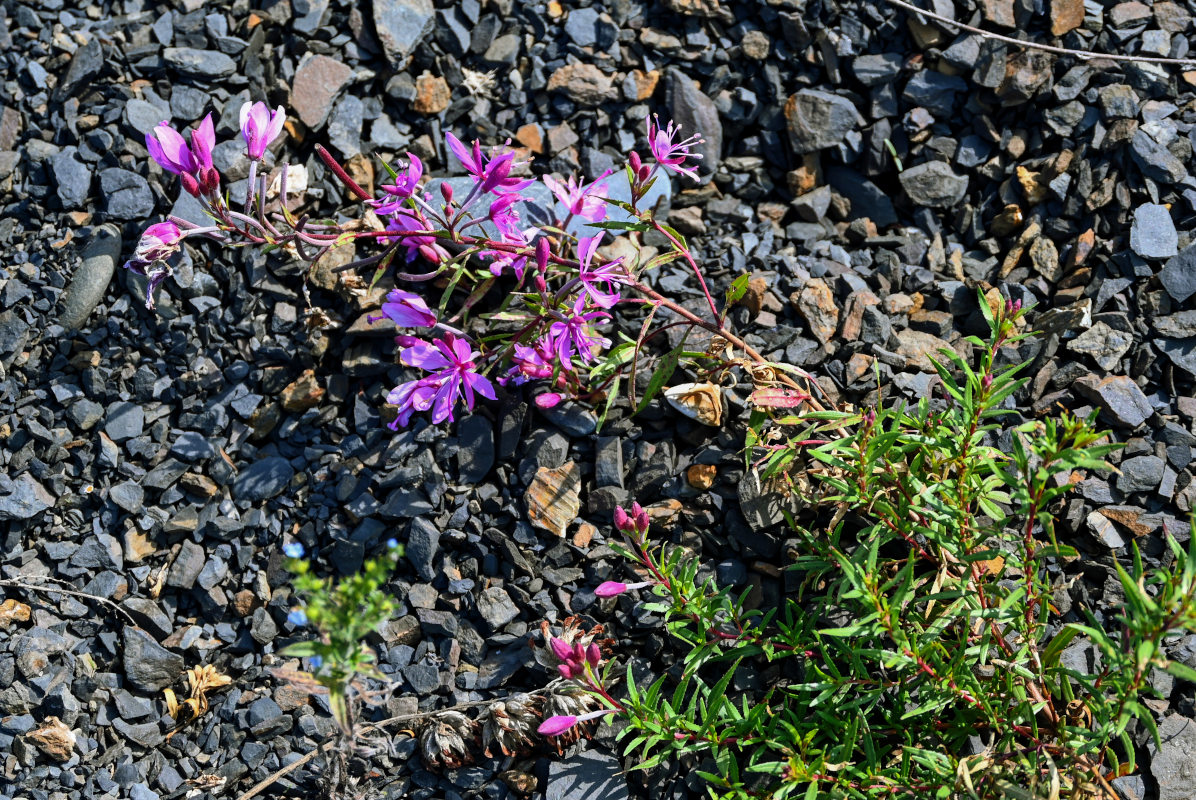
<point x="664" y="371"/>
<point x="621" y="226"/>
<point x="300" y="649"/>
<point x="1050" y="655"/>
<point x="738" y="289"/>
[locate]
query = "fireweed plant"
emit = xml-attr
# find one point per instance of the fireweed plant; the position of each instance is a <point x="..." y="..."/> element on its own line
<point x="921" y="656"/>
<point x="446" y="251"/>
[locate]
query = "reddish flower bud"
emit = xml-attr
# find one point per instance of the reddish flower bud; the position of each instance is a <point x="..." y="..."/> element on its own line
<point x="446" y="191"/>
<point x="566" y="671"/>
<point x="190" y="185"/>
<point x="987" y="381"/>
<point x="633" y="161"/>
<point x="593" y="654"/>
<point x="540" y="283"/>
<point x="542" y="250"/>
<point x="560" y="648"/>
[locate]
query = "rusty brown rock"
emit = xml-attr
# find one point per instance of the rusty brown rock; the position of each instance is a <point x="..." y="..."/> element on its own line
<point x="642" y="84"/>
<point x="853" y="319"/>
<point x="303" y="393"/>
<point x="917" y="348"/>
<point x="585" y="84"/>
<point x="318" y="81"/>
<point x="531" y="136"/>
<point x="701" y="476"/>
<point x="999" y="12"/>
<point x="53" y="738"/>
<point x="1066" y="15"/>
<point x="432" y="94"/>
<point x="553" y="499"/>
<point x="816" y="303"/>
<point x="199" y="484"/>
<point x="12" y="612"/>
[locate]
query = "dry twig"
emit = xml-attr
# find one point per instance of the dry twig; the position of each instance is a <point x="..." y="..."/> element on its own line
<point x="1086" y="55"/>
<point x="20" y="583"/>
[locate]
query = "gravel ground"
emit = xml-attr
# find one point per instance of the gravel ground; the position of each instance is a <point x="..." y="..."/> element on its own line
<point x="868" y="170"/>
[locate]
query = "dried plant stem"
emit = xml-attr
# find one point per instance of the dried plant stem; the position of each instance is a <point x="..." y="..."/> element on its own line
<point x="19" y="583"/>
<point x="1085" y="55"/>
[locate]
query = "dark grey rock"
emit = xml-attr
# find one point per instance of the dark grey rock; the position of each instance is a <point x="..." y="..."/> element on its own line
<point x="1118" y="397"/>
<point x="818" y="119"/>
<point x="1153" y="234"/>
<point x="86" y="63"/>
<point x="582" y="26"/>
<point x="1155" y="160"/>
<point x="72" y="177"/>
<point x="401" y="24"/>
<point x="1106" y="345"/>
<point x="192" y="446"/>
<point x="589" y="774"/>
<point x="149" y="615"/>
<point x="124" y="421"/>
<point x="1181" y="352"/>
<point x="1171" y="764"/>
<point x="344" y="126"/>
<point x="1179" y="275"/>
<point x="14" y="332"/>
<point x="934" y="185"/>
<point x="126" y="193"/>
<point x="934" y="91"/>
<point x="424" y="678"/>
<point x="572" y="418"/>
<point x="867" y="199"/>
<point x="423" y="542"/>
<point x="877" y="69"/>
<point x="149" y="666"/>
<point x="187" y="566"/>
<point x="263" y="479"/>
<point x="496" y="607"/>
<point x="695" y="113"/>
<point x="1140" y="474"/>
<point x="199" y="63"/>
<point x="127" y="495"/>
<point x="475" y="455"/>
<point x="22" y="498"/>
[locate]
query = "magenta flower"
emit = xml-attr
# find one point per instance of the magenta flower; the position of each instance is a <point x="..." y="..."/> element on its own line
<point x="158" y="242"/>
<point x="259" y="127"/>
<point x="600" y="283"/>
<point x="585" y="202"/>
<point x="192" y="163"/>
<point x="407" y="219"/>
<point x="408" y="310"/>
<point x="406" y="182"/>
<point x="410" y="397"/>
<point x="454" y="364"/>
<point x="494" y="174"/>
<point x="573" y="335"/>
<point x="669" y="154"/>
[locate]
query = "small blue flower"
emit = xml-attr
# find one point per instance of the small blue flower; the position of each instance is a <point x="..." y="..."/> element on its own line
<point x="297" y="617"/>
<point x="315" y="662"/>
<point x="392" y="543"/>
<point x="293" y="550"/>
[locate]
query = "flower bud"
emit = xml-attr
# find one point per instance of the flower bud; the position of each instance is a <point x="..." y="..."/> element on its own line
<point x="540" y="283"/>
<point x="987" y="380"/>
<point x="566" y="671"/>
<point x="190" y="185"/>
<point x="640" y="517"/>
<point x="560" y="648"/>
<point x="542" y="250"/>
<point x="446" y="192"/>
<point x="593" y="655"/>
<point x="555" y="726"/>
<point x="612" y="588"/>
<point x="633" y="161"/>
<point x="549" y="399"/>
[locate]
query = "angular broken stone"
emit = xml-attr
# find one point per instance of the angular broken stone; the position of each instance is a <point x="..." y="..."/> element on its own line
<point x="1118" y="397"/>
<point x="553" y="499"/>
<point x="1106" y="345"/>
<point x="304" y="393"/>
<point x="816" y="303"/>
<point x="817" y="120"/>
<point x="53" y="738"/>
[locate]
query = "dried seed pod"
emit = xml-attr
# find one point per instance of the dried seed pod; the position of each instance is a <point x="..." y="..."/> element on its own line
<point x="443" y="742"/>
<point x="509" y="724"/>
<point x="698" y="401"/>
